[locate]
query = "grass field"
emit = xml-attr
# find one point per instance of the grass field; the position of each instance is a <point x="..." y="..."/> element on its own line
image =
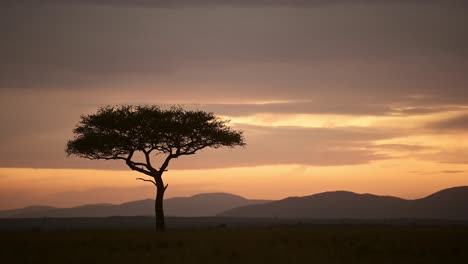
<point x="306" y="244"/>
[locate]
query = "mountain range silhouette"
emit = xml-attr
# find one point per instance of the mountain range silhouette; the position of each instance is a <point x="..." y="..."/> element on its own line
<point x="450" y="204"/>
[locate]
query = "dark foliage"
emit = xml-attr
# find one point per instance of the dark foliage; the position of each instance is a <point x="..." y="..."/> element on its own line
<point x="119" y="132"/>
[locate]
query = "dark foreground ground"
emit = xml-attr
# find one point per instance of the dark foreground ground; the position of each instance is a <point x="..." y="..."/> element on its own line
<point x="429" y="242"/>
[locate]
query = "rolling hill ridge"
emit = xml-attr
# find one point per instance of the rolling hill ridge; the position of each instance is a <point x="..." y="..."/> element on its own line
<point x="450" y="204"/>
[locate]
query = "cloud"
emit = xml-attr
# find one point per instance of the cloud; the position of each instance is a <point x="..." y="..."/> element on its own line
<point x="438" y="172"/>
<point x="247" y="109"/>
<point x="458" y="123"/>
<point x="339" y="107"/>
<point x="266" y="146"/>
<point x="452" y="171"/>
<point x="295" y="145"/>
<point x="421" y="110"/>
<point x="402" y="147"/>
<point x="454" y="156"/>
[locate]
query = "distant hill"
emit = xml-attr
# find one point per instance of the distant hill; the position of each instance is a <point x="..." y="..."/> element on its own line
<point x="209" y="204"/>
<point x="450" y="204"/>
<point x="30" y="210"/>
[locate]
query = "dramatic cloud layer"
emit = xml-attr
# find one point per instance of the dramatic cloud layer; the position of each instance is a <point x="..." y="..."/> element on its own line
<point x="362" y="52"/>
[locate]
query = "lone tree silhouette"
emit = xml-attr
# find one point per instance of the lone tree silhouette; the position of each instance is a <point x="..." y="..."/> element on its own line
<point x="135" y="134"/>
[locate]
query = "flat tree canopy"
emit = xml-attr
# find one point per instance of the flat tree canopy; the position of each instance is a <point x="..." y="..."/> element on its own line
<point x="118" y="133"/>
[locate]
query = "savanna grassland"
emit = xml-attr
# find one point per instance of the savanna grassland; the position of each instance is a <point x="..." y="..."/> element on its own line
<point x="289" y="244"/>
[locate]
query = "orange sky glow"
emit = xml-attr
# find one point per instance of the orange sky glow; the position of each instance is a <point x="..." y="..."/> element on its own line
<point x="408" y="173"/>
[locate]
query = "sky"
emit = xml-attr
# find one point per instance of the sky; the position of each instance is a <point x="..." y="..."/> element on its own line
<point x="359" y="95"/>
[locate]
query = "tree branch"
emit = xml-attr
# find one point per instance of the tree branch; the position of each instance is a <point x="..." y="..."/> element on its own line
<point x="150" y="170"/>
<point x="166" y="163"/>
<point x="115" y="158"/>
<point x="140" y="164"/>
<point x="148" y="160"/>
<point x="133" y="166"/>
<point x="146" y="180"/>
<point x="194" y="150"/>
<point x="100" y="157"/>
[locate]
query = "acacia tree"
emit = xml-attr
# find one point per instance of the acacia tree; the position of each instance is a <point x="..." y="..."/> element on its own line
<point x="136" y="134"/>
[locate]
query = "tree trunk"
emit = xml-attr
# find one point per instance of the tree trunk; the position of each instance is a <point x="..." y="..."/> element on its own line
<point x="158" y="205"/>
